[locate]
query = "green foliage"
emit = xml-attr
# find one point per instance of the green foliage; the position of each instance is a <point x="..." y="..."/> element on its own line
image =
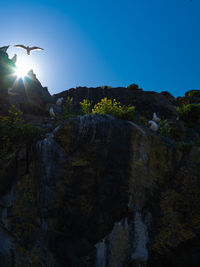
<point x="68" y="108"/>
<point x="114" y="108"/>
<point x="85" y="106"/>
<point x="194" y="93"/>
<point x="128" y="113"/>
<point x="15" y="131"/>
<point x="133" y="86"/>
<point x="189" y="113"/>
<point x="164" y="128"/>
<point x="107" y="106"/>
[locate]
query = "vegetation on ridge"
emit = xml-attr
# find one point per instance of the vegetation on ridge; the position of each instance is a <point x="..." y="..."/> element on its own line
<point x="189" y="113"/>
<point x="108" y="106"/>
<point x="15" y="131"/>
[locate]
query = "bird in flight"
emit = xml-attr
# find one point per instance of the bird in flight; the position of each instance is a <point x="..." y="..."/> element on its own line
<point x="28" y="49"/>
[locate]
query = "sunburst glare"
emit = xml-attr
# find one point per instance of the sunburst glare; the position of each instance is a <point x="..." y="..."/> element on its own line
<point x="24" y="65"/>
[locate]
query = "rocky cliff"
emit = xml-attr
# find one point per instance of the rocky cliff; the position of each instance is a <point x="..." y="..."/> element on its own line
<point x="98" y="191"/>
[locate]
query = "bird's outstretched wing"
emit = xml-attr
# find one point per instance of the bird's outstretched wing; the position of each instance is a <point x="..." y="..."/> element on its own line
<point x="22" y="46"/>
<point x="36" y="48"/>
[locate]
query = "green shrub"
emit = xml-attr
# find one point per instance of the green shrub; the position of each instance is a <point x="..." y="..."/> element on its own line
<point x="164" y="128"/>
<point x="107" y="106"/>
<point x="189" y="113"/>
<point x="15" y="131"/>
<point x="128" y="113"/>
<point x="114" y="108"/>
<point x="68" y="108"/>
<point x="85" y="106"/>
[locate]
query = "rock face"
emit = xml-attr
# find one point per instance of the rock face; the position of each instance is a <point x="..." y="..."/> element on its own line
<point x="145" y="102"/>
<point x="99" y="191"/>
<point x="27" y="94"/>
<point x="7" y="76"/>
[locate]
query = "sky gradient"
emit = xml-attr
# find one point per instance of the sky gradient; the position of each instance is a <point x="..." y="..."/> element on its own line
<point x="154" y="43"/>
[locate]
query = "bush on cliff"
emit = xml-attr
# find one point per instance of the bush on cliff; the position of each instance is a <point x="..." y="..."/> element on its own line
<point x="108" y="106"/>
<point x="164" y="128"/>
<point x="189" y="113"/>
<point x="86" y="106"/>
<point x="15" y="131"/>
<point x="68" y="108"/>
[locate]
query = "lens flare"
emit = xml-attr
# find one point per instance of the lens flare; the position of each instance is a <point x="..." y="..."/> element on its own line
<point x="21" y="70"/>
<point x="24" y="65"/>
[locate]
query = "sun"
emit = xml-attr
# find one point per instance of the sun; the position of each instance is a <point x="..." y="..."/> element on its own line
<point x="23" y="66"/>
<point x="21" y="70"/>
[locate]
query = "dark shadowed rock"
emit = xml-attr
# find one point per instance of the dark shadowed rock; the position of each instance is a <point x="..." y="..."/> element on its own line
<point x="193" y="92"/>
<point x="99" y="191"/>
<point x="191" y="97"/>
<point x="7" y="75"/>
<point x="169" y="96"/>
<point x="29" y="95"/>
<point x="145" y="102"/>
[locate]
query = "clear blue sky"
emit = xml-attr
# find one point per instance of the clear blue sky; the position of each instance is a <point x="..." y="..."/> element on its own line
<point x="154" y="43"/>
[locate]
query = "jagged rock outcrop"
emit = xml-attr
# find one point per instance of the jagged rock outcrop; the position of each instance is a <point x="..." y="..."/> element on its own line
<point x="7" y="76"/>
<point x="99" y="191"/>
<point x="27" y="94"/>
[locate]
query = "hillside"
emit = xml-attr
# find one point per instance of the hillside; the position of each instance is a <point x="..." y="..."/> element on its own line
<point x="95" y="187"/>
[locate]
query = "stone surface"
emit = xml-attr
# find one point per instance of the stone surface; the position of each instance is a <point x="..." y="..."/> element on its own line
<point x="146" y="103"/>
<point x="7" y="75"/>
<point x="101" y="187"/>
<point x="98" y="191"/>
<point x="26" y="94"/>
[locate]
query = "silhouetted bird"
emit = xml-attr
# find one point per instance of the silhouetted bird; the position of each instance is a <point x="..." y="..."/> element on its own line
<point x="14" y="58"/>
<point x="4" y="48"/>
<point x="28" y="49"/>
